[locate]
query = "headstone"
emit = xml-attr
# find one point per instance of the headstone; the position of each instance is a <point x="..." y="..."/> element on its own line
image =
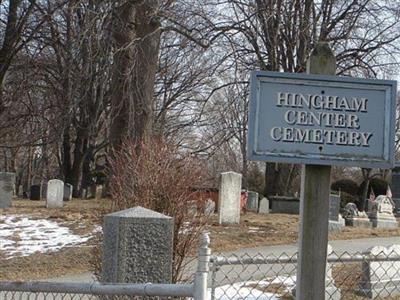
<point x="355" y="218"/>
<point x="285" y="205"/>
<point x="99" y="191"/>
<point x="68" y="189"/>
<point x="252" y="202"/>
<point x="209" y="207"/>
<point x="336" y="222"/>
<point x="55" y="192"/>
<point x="381" y="278"/>
<point x="381" y="213"/>
<point x="229" y="198"/>
<point x="137" y="247"/>
<point x="264" y="206"/>
<point x="35" y="193"/>
<point x="7" y="182"/>
<point x="334" y="207"/>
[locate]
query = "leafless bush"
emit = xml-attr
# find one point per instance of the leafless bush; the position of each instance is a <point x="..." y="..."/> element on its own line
<point x="159" y="177"/>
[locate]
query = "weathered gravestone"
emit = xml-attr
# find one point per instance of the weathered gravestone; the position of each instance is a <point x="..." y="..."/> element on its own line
<point x="35" y="192"/>
<point x="7" y="181"/>
<point x="229" y="198"/>
<point x="137" y="247"/>
<point x="55" y="192"/>
<point x="68" y="189"/>
<point x="336" y="222"/>
<point x="381" y="213"/>
<point x="264" y="206"/>
<point x="285" y="205"/>
<point x="252" y="202"/>
<point x="353" y="217"/>
<point x="209" y="207"/>
<point x="381" y="278"/>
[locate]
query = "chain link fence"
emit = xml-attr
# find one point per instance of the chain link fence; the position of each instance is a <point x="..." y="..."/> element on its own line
<point x="372" y="275"/>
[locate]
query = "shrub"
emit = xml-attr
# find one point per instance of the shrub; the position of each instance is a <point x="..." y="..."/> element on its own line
<point x="345" y="185"/>
<point x="157" y="176"/>
<point x="378" y="185"/>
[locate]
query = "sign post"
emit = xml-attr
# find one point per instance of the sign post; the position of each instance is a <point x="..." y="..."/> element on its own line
<point x="314" y="205"/>
<point x="319" y="120"/>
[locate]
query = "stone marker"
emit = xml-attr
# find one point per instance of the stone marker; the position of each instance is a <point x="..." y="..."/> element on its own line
<point x="336" y="222"/>
<point x="355" y="218"/>
<point x="55" y="192"/>
<point x="229" y="198"/>
<point x="35" y="192"/>
<point x="68" y="189"/>
<point x="381" y="278"/>
<point x="137" y="247"/>
<point x="7" y="181"/>
<point x="209" y="207"/>
<point x="252" y="202"/>
<point x="264" y="206"/>
<point x="284" y="205"/>
<point x="381" y="213"/>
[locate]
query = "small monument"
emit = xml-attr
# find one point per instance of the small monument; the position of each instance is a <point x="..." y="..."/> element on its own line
<point x="137" y="246"/>
<point x="355" y="218"/>
<point x="264" y="206"/>
<point x="381" y="278"/>
<point x="55" y="193"/>
<point x="209" y="207"/>
<point x="381" y="213"/>
<point x="68" y="189"/>
<point x="7" y="181"/>
<point x="35" y="192"/>
<point x="252" y="202"/>
<point x="229" y="198"/>
<point x="336" y="222"/>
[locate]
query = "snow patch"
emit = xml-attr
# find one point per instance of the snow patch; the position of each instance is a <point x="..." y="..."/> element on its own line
<point x="22" y="236"/>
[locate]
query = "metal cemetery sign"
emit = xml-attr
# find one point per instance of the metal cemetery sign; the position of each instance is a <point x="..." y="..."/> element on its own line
<point x="322" y="120"/>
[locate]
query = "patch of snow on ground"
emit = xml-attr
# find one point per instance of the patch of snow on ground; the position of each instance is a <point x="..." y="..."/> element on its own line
<point x="240" y="290"/>
<point x="21" y="236"/>
<point x="244" y="290"/>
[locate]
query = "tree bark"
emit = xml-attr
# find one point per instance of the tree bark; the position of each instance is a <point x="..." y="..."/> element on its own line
<point x="136" y="34"/>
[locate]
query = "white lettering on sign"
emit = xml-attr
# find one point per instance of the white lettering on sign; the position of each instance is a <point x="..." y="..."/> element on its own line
<point x="336" y="115"/>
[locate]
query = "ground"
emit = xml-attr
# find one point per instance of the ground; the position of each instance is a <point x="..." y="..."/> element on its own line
<point x="29" y="253"/>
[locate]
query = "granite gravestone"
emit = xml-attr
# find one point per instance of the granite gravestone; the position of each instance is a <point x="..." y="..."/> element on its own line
<point x="381" y="213"/>
<point x="229" y="198"/>
<point x="209" y="207"/>
<point x="7" y="181"/>
<point x="381" y="278"/>
<point x="68" y="189"/>
<point x="55" y="193"/>
<point x="353" y="217"/>
<point x="285" y="205"/>
<point x="336" y="222"/>
<point x="264" y="206"/>
<point x="137" y="247"/>
<point x="35" y="192"/>
<point x="252" y="202"/>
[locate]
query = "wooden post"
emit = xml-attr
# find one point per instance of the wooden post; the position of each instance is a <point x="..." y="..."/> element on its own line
<point x="314" y="205"/>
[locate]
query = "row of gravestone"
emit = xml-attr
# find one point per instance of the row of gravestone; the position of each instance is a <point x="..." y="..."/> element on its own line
<point x="379" y="215"/>
<point x="36" y="191"/>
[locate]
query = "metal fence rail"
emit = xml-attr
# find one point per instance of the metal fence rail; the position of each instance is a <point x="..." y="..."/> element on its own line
<point x="356" y="276"/>
<point x="57" y="290"/>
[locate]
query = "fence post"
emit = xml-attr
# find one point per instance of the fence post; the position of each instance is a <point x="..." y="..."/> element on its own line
<point x="203" y="268"/>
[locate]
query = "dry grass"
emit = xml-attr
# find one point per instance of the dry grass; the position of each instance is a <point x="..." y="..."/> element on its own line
<point x="82" y="215"/>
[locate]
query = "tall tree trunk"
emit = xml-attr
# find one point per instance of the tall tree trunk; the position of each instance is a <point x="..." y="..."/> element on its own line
<point x="135" y="65"/>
